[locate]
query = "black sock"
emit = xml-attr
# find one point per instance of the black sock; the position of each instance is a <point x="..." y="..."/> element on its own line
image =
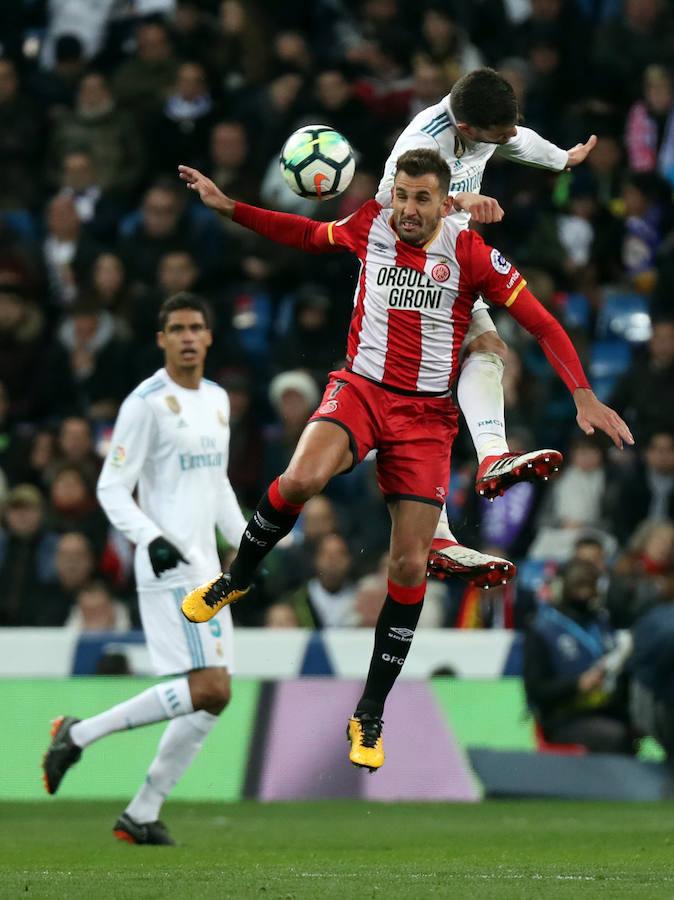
<point x="263" y="532"/>
<point x="392" y="640"/>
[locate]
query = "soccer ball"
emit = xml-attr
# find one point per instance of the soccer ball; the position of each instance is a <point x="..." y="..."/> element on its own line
<point x="317" y="162"/>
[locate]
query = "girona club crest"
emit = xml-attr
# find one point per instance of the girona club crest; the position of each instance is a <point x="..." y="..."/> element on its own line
<point x="440" y="272"/>
<point x="327" y="408"/>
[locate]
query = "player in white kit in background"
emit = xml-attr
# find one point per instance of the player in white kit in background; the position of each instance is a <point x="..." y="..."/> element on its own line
<point x="475" y="120"/>
<point x="171" y="440"/>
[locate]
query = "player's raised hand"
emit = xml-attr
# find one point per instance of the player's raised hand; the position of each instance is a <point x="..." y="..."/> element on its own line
<point x="210" y="194"/>
<point x="482" y="209"/>
<point x="580" y="152"/>
<point x="592" y="414"/>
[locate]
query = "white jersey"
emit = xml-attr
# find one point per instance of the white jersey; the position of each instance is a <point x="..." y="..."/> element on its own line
<point x="435" y="128"/>
<point x="173" y="444"/>
<point x="412" y="305"/>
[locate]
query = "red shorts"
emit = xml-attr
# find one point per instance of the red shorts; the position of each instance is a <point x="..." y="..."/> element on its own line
<point x="413" y="435"/>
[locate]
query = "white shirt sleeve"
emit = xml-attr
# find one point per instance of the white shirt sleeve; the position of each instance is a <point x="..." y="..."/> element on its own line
<point x="129" y="446"/>
<point x="529" y="147"/>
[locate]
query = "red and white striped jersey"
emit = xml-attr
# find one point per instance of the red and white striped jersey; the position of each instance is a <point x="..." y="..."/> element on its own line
<point x="412" y="305"/>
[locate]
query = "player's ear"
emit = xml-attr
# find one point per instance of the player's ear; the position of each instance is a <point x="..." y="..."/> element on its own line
<point x="466" y="130"/>
<point x="161" y="339"/>
<point x="447" y="205"/>
<point x="209" y="337"/>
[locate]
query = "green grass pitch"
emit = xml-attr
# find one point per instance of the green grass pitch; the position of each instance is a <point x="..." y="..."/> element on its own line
<point x="353" y="849"/>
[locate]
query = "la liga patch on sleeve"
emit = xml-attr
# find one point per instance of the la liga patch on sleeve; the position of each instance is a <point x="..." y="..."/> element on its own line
<point x="499" y="262"/>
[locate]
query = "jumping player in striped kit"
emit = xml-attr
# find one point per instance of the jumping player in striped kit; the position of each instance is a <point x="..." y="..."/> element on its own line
<point x="419" y="277"/>
<point x="467" y="127"/>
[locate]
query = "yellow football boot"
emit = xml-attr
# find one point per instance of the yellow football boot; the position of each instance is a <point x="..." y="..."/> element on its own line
<point x="367" y="749"/>
<point x="205" y="601"/>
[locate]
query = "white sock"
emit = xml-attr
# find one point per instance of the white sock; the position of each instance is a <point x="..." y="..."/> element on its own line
<point x="179" y="744"/>
<point x="443" y="531"/>
<point x="480" y="396"/>
<point x="163" y="701"/>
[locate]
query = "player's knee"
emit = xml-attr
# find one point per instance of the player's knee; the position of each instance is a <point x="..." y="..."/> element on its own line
<point x="488" y="342"/>
<point x="408" y="568"/>
<point x="211" y="690"/>
<point x="300" y="483"/>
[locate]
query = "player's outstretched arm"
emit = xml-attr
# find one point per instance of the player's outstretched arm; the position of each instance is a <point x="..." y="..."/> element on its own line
<point x="592" y="414"/>
<point x="580" y="152"/>
<point x="481" y="208"/>
<point x="210" y="194"/>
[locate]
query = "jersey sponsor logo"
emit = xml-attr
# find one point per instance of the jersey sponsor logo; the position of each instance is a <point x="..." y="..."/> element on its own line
<point x="190" y="461"/>
<point x="499" y="262"/>
<point x="470" y="183"/>
<point x="118" y="456"/>
<point x="327" y="408"/>
<point x="440" y="272"/>
<point x="409" y="288"/>
<point x="173" y="405"/>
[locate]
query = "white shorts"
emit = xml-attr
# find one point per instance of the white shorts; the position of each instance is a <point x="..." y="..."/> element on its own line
<point x="480" y="322"/>
<point x="176" y="645"/>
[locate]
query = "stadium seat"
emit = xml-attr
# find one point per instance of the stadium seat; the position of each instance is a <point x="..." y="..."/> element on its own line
<point x="577" y="311"/>
<point x="608" y="360"/>
<point x="544" y="746"/>
<point x="624" y="315"/>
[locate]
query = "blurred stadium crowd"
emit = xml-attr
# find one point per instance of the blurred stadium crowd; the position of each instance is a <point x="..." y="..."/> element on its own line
<point x="100" y="102"/>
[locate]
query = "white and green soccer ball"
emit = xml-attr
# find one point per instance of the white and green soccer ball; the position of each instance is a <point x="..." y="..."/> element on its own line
<point x="317" y="162"/>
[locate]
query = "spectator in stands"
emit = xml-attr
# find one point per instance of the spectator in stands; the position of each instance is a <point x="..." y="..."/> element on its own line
<point x="55" y="88"/>
<point x="21" y="143"/>
<point x="75" y="446"/>
<point x="444" y="43"/>
<point x="294" y="396"/>
<point x="27" y="552"/>
<point x="310" y="340"/>
<point x="371" y="592"/>
<point x="281" y="615"/>
<point x="86" y="371"/>
<point x="142" y="82"/>
<point x="239" y="50"/>
<point x="649" y="132"/>
<point x="327" y="600"/>
<point x="106" y="131"/>
<point x="165" y="226"/>
<point x="648" y="567"/>
<point x="22" y="328"/>
<point x="230" y="161"/>
<point x="75" y="565"/>
<point x="649" y="219"/>
<point x="644" y="395"/>
<point x="647" y="490"/>
<point x="73" y="506"/>
<point x="565" y="677"/>
<point x="68" y="250"/>
<point x="245" y="439"/>
<point x="184" y="124"/>
<point x="110" y="288"/>
<point x="97" y="210"/>
<point x="652" y="676"/>
<point x="574" y="502"/>
<point x="96" y="609"/>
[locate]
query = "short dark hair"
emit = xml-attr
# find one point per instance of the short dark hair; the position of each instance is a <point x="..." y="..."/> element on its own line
<point x="425" y="162"/>
<point x="483" y="98"/>
<point x="183" y="300"/>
